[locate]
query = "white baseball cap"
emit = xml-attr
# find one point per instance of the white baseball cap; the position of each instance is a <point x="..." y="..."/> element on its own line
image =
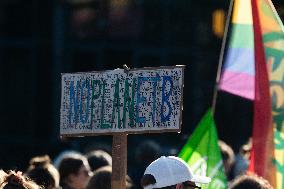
<point x="172" y="170"/>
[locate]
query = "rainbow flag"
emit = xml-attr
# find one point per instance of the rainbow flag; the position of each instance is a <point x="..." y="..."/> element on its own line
<point x="238" y="72"/>
<point x="263" y="69"/>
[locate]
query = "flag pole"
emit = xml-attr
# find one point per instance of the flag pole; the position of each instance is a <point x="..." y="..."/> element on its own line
<point x="222" y="56"/>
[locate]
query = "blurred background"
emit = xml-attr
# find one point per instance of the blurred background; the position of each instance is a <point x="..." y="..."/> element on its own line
<point x="39" y="40"/>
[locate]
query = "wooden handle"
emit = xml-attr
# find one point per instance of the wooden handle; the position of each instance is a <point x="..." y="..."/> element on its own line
<point x="119" y="161"/>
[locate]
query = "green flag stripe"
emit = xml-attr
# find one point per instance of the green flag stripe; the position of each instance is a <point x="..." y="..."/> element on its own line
<point x="242" y="36"/>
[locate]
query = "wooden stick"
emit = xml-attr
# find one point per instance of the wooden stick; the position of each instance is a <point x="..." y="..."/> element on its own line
<point x="119" y="161"/>
<point x="222" y="56"/>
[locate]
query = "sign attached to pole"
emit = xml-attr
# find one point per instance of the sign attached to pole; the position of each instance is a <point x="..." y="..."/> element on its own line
<point x="135" y="101"/>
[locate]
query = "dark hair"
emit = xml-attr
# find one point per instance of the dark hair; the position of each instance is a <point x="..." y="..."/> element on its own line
<point x="43" y="172"/>
<point x="102" y="179"/>
<point x="149" y="179"/>
<point x="70" y="165"/>
<point x="147" y="151"/>
<point x="98" y="158"/>
<point x="250" y="182"/>
<point x="15" y="180"/>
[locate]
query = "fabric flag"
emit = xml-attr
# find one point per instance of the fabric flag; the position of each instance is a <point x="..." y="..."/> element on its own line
<point x="238" y="71"/>
<point x="271" y="34"/>
<point x="262" y="137"/>
<point x="202" y="153"/>
<point x="265" y="66"/>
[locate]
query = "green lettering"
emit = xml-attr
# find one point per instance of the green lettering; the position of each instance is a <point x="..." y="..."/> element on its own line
<point x="279" y="141"/>
<point x="128" y="104"/>
<point x="279" y="167"/>
<point x="94" y="97"/>
<point x="277" y="55"/>
<point x="116" y="105"/>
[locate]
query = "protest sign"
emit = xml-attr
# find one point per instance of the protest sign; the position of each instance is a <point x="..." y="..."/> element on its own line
<point x="119" y="101"/>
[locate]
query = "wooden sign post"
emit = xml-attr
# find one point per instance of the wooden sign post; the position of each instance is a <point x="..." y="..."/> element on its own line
<point x="120" y="102"/>
<point x="119" y="161"/>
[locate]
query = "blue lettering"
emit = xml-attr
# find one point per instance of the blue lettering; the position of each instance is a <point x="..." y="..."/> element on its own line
<point x="155" y="80"/>
<point x="74" y="102"/>
<point x="85" y="84"/>
<point x="165" y="98"/>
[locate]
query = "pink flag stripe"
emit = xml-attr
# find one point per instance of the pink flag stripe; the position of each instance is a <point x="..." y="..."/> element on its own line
<point x="234" y="84"/>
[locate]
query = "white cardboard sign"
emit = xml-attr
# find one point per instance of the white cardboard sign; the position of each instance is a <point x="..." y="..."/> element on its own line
<point x="135" y="101"/>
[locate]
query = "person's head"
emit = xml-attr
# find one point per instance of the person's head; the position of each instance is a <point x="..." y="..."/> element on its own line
<point x="74" y="172"/>
<point x="147" y="151"/>
<point x="15" y="180"/>
<point x="171" y="173"/>
<point x="43" y="172"/>
<point x="250" y="182"/>
<point x="102" y="179"/>
<point x="246" y="149"/>
<point x="228" y="156"/>
<point x="64" y="154"/>
<point x="98" y="158"/>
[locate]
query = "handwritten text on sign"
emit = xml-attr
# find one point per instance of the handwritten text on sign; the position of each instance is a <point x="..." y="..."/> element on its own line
<point x="116" y="101"/>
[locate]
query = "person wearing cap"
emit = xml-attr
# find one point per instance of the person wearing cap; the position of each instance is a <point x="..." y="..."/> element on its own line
<point x="171" y="173"/>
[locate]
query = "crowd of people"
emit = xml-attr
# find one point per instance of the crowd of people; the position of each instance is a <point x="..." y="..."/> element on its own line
<point x="93" y="170"/>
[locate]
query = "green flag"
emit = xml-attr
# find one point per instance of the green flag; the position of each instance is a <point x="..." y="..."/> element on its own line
<point x="202" y="153"/>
